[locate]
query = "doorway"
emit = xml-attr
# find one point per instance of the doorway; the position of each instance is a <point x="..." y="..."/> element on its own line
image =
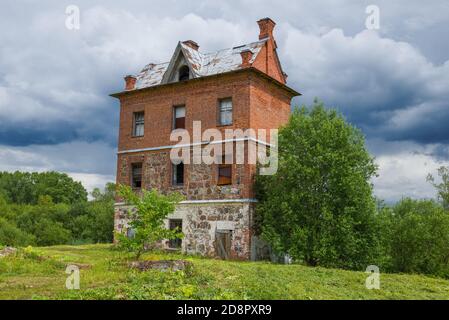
<point x="223" y="244"/>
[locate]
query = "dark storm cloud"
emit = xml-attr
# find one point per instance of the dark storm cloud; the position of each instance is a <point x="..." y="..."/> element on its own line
<point x="385" y="87"/>
<point x="54" y="83"/>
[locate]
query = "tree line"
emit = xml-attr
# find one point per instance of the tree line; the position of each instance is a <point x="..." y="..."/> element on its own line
<point x="51" y="208"/>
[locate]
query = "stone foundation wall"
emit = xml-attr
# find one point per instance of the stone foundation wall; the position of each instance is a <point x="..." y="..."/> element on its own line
<point x="200" y="223"/>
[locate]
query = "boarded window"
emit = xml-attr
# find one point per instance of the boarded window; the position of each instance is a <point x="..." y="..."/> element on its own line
<point x="175" y="224"/>
<point x="179" y="119"/>
<point x="225" y="112"/>
<point x="139" y="123"/>
<point x="178" y="174"/>
<point x="224" y="173"/>
<point x="136" y="176"/>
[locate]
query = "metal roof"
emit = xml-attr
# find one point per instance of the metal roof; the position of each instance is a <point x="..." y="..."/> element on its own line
<point x="202" y="64"/>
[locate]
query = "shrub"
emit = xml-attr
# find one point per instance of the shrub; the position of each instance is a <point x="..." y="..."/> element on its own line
<point x="10" y="235"/>
<point x="419" y="237"/>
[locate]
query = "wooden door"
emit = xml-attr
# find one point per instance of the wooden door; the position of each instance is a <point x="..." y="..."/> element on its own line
<point x="223" y="244"/>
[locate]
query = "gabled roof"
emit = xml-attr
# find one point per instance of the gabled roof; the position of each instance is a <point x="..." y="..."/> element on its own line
<point x="200" y="64"/>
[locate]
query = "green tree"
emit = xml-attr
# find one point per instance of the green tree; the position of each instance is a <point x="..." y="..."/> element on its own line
<point x="319" y="207"/>
<point x="147" y="221"/>
<point x="26" y="188"/>
<point x="48" y="233"/>
<point x="47" y="221"/>
<point x="10" y="235"/>
<point x="94" y="221"/>
<point x="418" y="237"/>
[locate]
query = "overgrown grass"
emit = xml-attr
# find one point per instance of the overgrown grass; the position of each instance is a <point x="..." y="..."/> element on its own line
<point x="40" y="274"/>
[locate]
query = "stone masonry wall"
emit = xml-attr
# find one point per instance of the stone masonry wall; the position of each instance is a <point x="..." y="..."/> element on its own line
<point x="200" y="180"/>
<point x="200" y="223"/>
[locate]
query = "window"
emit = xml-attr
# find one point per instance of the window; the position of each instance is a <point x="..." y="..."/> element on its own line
<point x="183" y="73"/>
<point x="136" y="175"/>
<point x="175" y="224"/>
<point x="130" y="233"/>
<point x="178" y="174"/>
<point x="224" y="173"/>
<point x="138" y="127"/>
<point x="225" y="112"/>
<point x="179" y="117"/>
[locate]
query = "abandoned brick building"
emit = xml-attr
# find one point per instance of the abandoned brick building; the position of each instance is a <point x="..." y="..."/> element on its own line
<point x="240" y="87"/>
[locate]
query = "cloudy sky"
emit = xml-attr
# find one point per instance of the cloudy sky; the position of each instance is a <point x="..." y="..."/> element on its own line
<point x="393" y="83"/>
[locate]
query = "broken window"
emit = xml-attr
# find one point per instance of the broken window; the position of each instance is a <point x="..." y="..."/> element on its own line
<point x="136" y="176"/>
<point x="224" y="172"/>
<point x="183" y="73"/>
<point x="139" y="121"/>
<point x="225" y="112"/>
<point x="178" y="174"/>
<point x="179" y="117"/>
<point x="175" y="224"/>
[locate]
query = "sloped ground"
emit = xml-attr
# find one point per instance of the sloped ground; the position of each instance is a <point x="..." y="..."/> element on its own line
<point x="40" y="274"/>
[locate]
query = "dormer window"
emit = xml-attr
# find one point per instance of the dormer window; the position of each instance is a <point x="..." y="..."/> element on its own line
<point x="183" y="73"/>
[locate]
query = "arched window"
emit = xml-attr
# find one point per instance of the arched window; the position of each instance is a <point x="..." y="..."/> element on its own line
<point x="183" y="73"/>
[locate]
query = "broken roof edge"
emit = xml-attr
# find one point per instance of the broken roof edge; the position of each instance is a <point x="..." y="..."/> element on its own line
<point x="292" y="91"/>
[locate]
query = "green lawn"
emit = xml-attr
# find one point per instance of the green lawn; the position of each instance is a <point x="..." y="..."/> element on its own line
<point x="40" y="274"/>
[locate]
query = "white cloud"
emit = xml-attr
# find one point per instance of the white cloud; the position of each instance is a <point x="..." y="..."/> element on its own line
<point x="404" y="175"/>
<point x="403" y="168"/>
<point x="91" y="181"/>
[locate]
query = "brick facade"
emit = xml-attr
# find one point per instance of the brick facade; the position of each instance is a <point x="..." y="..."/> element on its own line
<point x="260" y="99"/>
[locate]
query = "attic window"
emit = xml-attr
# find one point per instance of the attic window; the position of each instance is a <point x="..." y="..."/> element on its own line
<point x="183" y="73"/>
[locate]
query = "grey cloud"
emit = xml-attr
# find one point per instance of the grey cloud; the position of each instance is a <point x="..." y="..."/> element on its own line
<point x="54" y="83"/>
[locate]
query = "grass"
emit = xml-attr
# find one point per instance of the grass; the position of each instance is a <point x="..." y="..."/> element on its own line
<point x="40" y="274"/>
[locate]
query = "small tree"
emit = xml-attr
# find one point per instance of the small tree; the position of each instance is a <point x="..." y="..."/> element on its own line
<point x="147" y="221"/>
<point x="443" y="186"/>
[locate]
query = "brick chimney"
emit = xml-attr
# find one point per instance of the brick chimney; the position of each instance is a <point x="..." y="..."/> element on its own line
<point x="246" y="57"/>
<point x="266" y="26"/>
<point x="192" y="44"/>
<point x="130" y="82"/>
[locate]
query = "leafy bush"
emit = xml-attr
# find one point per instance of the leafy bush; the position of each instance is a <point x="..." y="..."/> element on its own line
<point x="417" y="237"/>
<point x="10" y="235"/>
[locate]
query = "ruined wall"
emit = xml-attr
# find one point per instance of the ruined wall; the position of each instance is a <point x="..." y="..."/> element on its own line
<point x="200" y="223"/>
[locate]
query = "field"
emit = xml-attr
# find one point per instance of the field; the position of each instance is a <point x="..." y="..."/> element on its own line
<point x="39" y="273"/>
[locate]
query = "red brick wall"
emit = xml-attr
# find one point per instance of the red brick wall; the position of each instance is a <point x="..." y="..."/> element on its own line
<point x="269" y="106"/>
<point x="200" y="98"/>
<point x="267" y="61"/>
<point x="257" y="103"/>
